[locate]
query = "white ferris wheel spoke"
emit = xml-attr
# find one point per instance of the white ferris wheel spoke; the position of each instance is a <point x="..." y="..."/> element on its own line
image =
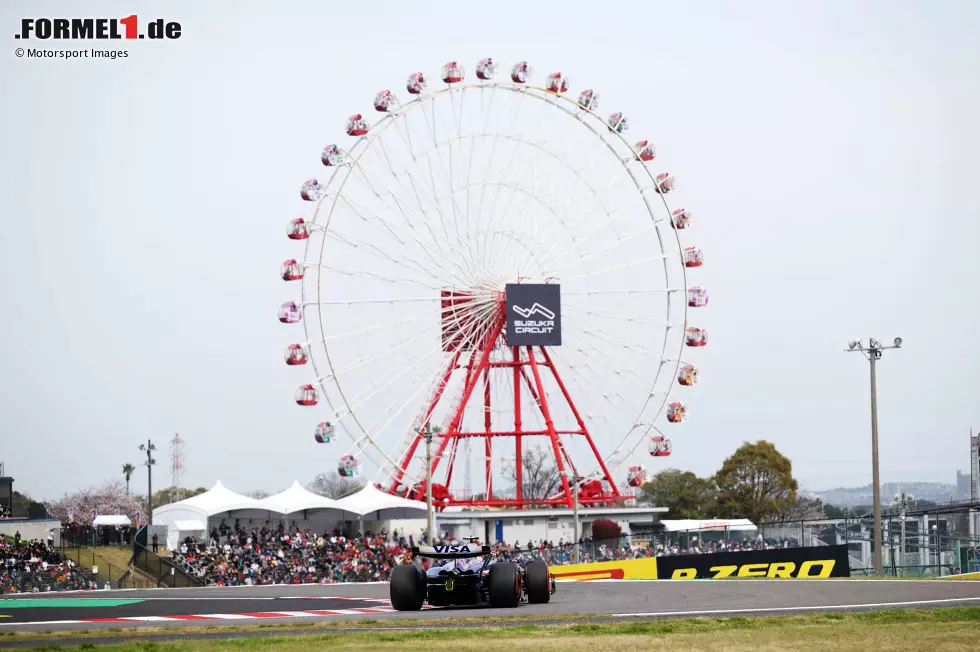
<point x="621" y="291"/>
<point x="615" y="268"/>
<point x="612" y="245"/>
<point x="618" y="343"/>
<point x="616" y="315"/>
<point x="425" y="245"/>
<point x="622" y="370"/>
<point x="496" y="197"/>
<point x="406" y="263"/>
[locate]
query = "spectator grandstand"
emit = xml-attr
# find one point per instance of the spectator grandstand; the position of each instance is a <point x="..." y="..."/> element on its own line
<point x="33" y="567"/>
<point x="276" y="556"/>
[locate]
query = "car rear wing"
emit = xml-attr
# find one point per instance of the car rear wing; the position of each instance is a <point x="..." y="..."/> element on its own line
<point x="450" y="552"/>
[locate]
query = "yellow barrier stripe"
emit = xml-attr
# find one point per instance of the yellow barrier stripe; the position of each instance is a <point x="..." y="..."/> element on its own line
<point x="962" y="576"/>
<point x="627" y="569"/>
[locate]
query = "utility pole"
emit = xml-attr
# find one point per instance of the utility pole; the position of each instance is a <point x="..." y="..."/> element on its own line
<point x="149" y="448"/>
<point x="876" y="489"/>
<point x="428" y="484"/>
<point x="873" y="353"/>
<point x="576" y="531"/>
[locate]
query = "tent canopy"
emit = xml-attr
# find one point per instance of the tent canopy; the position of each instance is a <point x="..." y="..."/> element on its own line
<point x="190" y="526"/>
<point x="375" y="504"/>
<point x="112" y="519"/>
<point x="712" y="525"/>
<point x="298" y="499"/>
<point x="369" y="502"/>
<point x="218" y="500"/>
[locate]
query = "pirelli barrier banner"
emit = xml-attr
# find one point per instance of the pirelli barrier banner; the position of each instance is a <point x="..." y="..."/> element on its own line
<point x="783" y="563"/>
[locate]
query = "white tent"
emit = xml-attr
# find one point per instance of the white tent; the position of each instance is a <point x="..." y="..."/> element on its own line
<point x="112" y="519"/>
<point x="713" y="525"/>
<point x="298" y="499"/>
<point x="374" y="504"/>
<point x="218" y="500"/>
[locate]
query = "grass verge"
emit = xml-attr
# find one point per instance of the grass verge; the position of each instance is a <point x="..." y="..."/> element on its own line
<point x="113" y="563"/>
<point x="950" y="629"/>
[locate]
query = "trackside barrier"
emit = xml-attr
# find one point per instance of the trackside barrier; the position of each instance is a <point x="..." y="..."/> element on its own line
<point x="962" y="576"/>
<point x="786" y="563"/>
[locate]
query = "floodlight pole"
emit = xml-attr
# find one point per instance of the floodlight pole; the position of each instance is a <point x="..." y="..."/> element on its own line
<point x="876" y="489"/>
<point x="873" y="353"/>
<point x="149" y="448"/>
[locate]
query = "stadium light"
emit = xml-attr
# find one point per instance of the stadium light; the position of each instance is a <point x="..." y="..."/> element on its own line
<point x="873" y="353"/>
<point x="149" y="448"/>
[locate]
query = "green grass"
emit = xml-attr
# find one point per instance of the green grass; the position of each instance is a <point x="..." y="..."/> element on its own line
<point x="950" y="629"/>
<point x="113" y="562"/>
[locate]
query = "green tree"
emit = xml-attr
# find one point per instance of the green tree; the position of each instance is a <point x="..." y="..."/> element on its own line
<point x="128" y="470"/>
<point x="832" y="511"/>
<point x="756" y="483"/>
<point x="683" y="493"/>
<point x="167" y="495"/>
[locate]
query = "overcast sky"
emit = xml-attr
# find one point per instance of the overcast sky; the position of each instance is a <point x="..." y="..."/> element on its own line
<point x="829" y="149"/>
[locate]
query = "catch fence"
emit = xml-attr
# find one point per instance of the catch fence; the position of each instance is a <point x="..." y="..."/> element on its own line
<point x="103" y="571"/>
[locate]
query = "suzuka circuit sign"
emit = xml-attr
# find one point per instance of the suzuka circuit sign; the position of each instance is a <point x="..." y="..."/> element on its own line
<point x="533" y="314"/>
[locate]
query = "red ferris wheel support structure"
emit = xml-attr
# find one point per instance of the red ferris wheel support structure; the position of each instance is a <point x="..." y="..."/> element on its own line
<point x="528" y="365"/>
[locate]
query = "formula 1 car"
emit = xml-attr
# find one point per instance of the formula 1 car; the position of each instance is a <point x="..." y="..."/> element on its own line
<point x="472" y="576"/>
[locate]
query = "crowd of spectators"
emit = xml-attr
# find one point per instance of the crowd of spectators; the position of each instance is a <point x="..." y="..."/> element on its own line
<point x="34" y="567"/>
<point x="281" y="555"/>
<point x="698" y="547"/>
<point x="596" y="551"/>
<point x="277" y="556"/>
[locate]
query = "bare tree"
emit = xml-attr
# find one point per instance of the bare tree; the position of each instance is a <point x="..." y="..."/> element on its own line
<point x="540" y="478"/>
<point x="333" y="486"/>
<point x="804" y="509"/>
<point x="258" y="494"/>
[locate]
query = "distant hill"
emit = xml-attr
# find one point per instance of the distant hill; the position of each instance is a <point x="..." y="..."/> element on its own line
<point x="854" y="496"/>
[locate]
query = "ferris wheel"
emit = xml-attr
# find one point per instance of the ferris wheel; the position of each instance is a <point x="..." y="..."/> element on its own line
<point x="494" y="264"/>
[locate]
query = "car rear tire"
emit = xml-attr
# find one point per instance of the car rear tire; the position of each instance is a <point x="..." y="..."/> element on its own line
<point x="407" y="588"/>
<point x="538" y="581"/>
<point x="505" y="584"/>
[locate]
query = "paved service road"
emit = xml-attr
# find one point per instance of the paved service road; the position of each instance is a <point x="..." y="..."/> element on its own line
<point x="352" y="602"/>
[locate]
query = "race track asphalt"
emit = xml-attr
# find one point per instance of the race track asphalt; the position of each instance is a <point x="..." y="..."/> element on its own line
<point x="608" y="600"/>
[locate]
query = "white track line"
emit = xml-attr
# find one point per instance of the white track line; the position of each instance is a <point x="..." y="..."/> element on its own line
<point x="713" y="612"/>
<point x="265" y="598"/>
